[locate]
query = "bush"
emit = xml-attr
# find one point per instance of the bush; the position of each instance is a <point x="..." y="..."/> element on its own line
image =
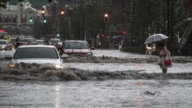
<point x="140" y="50"/>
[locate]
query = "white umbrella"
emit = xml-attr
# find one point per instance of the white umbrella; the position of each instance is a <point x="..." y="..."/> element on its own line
<point x="155" y="38"/>
<point x="114" y="37"/>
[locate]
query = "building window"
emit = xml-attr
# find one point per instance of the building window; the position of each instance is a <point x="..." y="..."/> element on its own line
<point x="14" y="20"/>
<point x="30" y="12"/>
<point x="27" y="5"/>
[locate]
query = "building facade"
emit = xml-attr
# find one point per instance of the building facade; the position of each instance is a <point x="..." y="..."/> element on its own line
<point x="20" y="16"/>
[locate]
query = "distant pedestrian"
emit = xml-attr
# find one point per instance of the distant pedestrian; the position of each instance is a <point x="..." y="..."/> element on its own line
<point x="1" y="36"/>
<point x="9" y="38"/>
<point x="17" y="42"/>
<point x="60" y="48"/>
<point x="163" y="54"/>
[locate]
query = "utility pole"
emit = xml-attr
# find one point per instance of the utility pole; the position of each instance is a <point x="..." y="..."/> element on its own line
<point x="69" y="37"/>
<point x="54" y="13"/>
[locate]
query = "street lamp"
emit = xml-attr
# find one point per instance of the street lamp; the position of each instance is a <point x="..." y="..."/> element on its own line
<point x="62" y="12"/>
<point x="69" y="25"/>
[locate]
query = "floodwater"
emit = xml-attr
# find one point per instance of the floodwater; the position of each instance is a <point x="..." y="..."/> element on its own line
<point x="110" y="79"/>
<point x="96" y="94"/>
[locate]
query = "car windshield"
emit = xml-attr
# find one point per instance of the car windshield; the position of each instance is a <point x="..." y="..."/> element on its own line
<point x="2" y="42"/>
<point x="76" y="45"/>
<point x="36" y="52"/>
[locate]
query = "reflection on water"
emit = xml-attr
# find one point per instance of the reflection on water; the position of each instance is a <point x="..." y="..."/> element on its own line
<point x="141" y="101"/>
<point x="57" y="96"/>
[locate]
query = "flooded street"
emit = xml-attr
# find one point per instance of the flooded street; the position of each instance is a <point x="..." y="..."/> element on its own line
<point x="109" y="79"/>
<point x="96" y="94"/>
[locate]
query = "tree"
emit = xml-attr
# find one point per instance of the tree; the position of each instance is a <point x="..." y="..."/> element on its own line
<point x="3" y="4"/>
<point x="41" y="29"/>
<point x="149" y="16"/>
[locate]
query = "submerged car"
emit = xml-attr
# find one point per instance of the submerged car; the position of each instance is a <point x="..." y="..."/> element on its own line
<point x="5" y="45"/>
<point x="40" y="54"/>
<point x="40" y="42"/>
<point x="77" y="47"/>
<point x="55" y="42"/>
<point x="28" y="41"/>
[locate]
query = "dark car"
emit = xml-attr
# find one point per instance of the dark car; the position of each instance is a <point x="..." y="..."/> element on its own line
<point x="55" y="42"/>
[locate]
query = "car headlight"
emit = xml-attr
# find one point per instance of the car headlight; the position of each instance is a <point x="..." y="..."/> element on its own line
<point x="58" y="66"/>
<point x="90" y="53"/>
<point x="13" y="64"/>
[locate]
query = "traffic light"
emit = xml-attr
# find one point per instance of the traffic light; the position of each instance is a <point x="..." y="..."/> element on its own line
<point x="44" y="20"/>
<point x="123" y="33"/>
<point x="62" y="12"/>
<point x="30" y="20"/>
<point x="43" y="11"/>
<point x="106" y="18"/>
<point x="58" y="34"/>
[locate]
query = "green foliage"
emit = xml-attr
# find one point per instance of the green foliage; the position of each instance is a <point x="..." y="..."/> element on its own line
<point x="41" y="29"/>
<point x="150" y="16"/>
<point x="92" y="21"/>
<point x="140" y="50"/>
<point x="3" y="3"/>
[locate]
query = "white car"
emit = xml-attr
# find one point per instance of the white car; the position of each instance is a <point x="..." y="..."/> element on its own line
<point x="5" y="45"/>
<point x="40" y="54"/>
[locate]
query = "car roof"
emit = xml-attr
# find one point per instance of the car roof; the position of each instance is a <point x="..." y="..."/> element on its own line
<point x="55" y="39"/>
<point x="27" y="38"/>
<point x="28" y="46"/>
<point x="75" y="41"/>
<point x="3" y="40"/>
<point x="39" y="40"/>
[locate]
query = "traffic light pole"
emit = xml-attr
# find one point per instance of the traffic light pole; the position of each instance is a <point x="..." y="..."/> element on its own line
<point x="69" y="27"/>
<point x="55" y="11"/>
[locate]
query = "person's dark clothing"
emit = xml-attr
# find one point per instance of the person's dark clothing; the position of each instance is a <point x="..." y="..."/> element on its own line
<point x="17" y="42"/>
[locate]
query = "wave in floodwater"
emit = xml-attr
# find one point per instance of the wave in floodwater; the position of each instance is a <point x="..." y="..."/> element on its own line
<point x="106" y="59"/>
<point x="36" y="72"/>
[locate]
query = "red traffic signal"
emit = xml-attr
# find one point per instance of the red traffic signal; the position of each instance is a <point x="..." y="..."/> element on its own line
<point x="123" y="32"/>
<point x="106" y="18"/>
